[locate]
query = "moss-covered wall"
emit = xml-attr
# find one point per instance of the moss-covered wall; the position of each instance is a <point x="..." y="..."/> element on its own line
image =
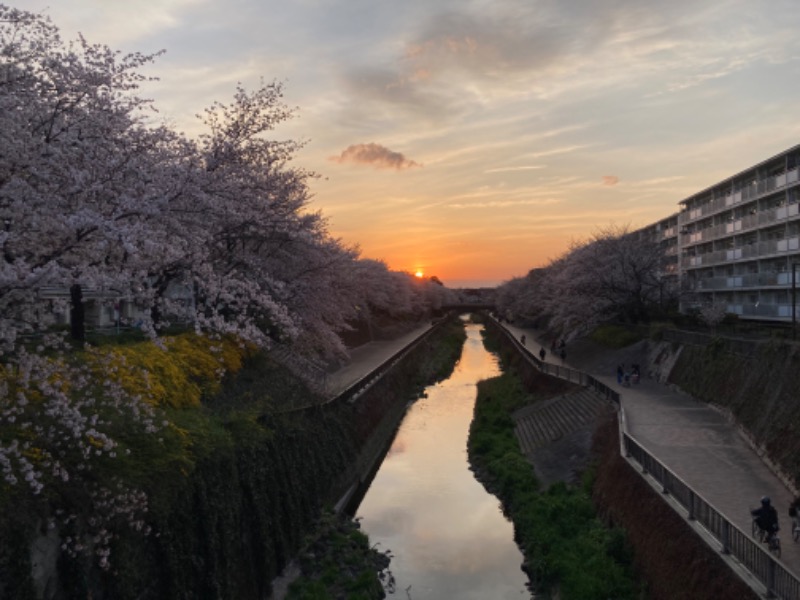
<point x="760" y="391"/>
<point x="226" y="529"/>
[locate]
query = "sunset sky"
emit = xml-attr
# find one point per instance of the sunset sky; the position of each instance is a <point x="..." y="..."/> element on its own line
<point x="474" y="139"/>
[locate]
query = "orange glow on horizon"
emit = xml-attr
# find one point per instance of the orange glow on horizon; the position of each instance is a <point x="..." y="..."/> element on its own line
<point x="419" y="274"/>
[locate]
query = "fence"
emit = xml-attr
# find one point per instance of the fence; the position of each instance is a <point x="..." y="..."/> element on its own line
<point x="738" y="346"/>
<point x="359" y="387"/>
<point x="776" y="578"/>
<point x="560" y="371"/>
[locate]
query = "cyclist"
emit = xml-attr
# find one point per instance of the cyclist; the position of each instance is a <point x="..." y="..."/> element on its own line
<point x="766" y="517"/>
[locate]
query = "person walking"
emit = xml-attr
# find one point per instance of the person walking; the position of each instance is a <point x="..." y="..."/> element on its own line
<point x="522" y="339"/>
<point x="542" y="353"/>
<point x="794" y="513"/>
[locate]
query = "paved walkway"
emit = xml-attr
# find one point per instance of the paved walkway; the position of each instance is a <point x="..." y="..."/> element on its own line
<point x="698" y="444"/>
<point x="366" y="358"/>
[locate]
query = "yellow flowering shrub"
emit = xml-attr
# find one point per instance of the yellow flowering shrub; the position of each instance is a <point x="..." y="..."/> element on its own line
<point x="176" y="372"/>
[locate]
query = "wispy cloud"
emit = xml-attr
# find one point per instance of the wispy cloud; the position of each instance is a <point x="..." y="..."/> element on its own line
<point x="505" y="203"/>
<point x="610" y="180"/>
<point x="512" y="169"/>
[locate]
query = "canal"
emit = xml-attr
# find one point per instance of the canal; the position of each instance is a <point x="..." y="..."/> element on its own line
<point x="447" y="535"/>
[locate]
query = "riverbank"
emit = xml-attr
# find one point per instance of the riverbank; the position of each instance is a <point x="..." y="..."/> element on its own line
<point x="337" y="559"/>
<point x="569" y="552"/>
<point x="671" y="561"/>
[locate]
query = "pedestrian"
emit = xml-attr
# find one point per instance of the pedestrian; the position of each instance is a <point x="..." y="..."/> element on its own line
<point x="542" y="353"/>
<point x="794" y="513"/>
<point x="619" y="373"/>
<point x="563" y="354"/>
<point x="522" y="339"/>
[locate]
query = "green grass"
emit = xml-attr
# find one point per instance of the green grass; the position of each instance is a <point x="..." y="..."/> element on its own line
<point x="338" y="562"/>
<point x="616" y="336"/>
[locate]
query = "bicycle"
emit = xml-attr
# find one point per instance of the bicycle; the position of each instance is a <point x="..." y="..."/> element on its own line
<point x="773" y="541"/>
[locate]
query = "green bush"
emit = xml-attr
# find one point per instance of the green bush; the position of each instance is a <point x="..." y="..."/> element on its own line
<point x="616" y="336"/>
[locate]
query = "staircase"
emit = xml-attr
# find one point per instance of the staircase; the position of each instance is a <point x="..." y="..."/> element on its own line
<point x="545" y="422"/>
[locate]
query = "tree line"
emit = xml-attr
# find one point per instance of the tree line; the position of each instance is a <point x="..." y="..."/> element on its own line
<point x="95" y="193"/>
<point x="614" y="275"/>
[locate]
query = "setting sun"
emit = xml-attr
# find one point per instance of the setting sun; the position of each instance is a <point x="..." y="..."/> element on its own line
<point x="419" y="273"/>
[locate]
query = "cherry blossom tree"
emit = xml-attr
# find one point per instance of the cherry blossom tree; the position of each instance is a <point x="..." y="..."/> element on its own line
<point x="615" y="275"/>
<point x="72" y="193"/>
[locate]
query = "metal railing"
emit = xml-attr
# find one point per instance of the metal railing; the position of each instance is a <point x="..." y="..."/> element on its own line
<point x="358" y="387"/>
<point x="776" y="578"/>
<point x="361" y="385"/>
<point x="560" y="371"/>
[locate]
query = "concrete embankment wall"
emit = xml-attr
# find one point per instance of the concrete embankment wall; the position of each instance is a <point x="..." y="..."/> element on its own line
<point x="757" y="389"/>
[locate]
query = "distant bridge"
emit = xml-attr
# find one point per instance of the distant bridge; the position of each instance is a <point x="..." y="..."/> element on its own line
<point x="464" y="306"/>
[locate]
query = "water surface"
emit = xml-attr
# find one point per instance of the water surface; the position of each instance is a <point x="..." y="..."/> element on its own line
<point x="447" y="535"/>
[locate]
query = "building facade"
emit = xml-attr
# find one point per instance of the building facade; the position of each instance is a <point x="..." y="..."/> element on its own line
<point x="738" y="242"/>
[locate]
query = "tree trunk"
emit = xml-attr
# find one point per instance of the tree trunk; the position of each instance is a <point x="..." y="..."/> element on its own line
<point x="77" y="315"/>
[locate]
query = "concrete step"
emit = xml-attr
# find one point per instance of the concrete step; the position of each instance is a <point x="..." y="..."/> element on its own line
<point x="544" y="422"/>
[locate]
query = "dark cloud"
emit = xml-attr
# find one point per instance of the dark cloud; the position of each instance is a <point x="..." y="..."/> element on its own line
<point x="610" y="180"/>
<point x="385" y="93"/>
<point x="376" y="155"/>
<point x="452" y="52"/>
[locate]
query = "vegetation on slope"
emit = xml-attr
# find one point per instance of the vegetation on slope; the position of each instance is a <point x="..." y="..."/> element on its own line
<point x="338" y="562"/>
<point x="216" y="498"/>
<point x="567" y="548"/>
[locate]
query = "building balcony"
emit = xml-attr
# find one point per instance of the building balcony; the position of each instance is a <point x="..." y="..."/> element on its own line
<point x="758" y="220"/>
<point x="765" y="249"/>
<point x="739" y="282"/>
<point x="750" y="192"/>
<point x="762" y="310"/>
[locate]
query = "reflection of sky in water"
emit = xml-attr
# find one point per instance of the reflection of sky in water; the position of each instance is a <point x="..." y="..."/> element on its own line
<point x="447" y="535"/>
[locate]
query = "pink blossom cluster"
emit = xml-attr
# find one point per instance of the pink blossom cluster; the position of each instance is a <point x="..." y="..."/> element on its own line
<point x="58" y="426"/>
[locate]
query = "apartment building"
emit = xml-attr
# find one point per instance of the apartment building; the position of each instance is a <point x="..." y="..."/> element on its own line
<point x="665" y="233"/>
<point x="738" y="241"/>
